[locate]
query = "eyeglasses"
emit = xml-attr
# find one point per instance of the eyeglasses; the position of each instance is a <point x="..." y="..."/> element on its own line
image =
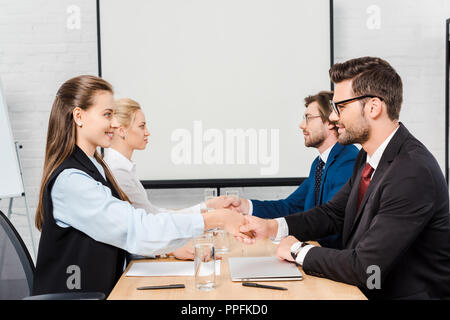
<point x="336" y="106"/>
<point x="308" y="117"/>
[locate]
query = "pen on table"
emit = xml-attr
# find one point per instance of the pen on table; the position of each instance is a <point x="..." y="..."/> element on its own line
<point x="169" y="286"/>
<point x="257" y="285"/>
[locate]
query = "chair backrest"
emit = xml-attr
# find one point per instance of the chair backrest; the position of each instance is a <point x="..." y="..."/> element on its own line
<point x="16" y="265"/>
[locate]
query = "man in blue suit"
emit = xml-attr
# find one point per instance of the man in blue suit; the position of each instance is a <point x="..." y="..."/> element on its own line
<point x="329" y="171"/>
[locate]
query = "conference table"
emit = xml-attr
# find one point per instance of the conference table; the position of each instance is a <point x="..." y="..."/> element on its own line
<point x="310" y="288"/>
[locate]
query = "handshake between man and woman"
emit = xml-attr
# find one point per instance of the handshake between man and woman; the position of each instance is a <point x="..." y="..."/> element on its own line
<point x="234" y="216"/>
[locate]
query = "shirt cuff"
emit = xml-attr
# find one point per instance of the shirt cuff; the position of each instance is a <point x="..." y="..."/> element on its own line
<point x="283" y="230"/>
<point x="302" y="254"/>
<point x="250" y="207"/>
<point x="202" y="206"/>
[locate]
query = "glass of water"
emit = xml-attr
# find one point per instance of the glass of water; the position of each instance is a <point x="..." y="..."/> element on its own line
<point x="232" y="193"/>
<point x="220" y="238"/>
<point x="210" y="193"/>
<point x="204" y="262"/>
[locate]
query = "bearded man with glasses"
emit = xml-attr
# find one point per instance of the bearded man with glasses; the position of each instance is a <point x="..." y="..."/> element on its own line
<point x="393" y="212"/>
<point x="329" y="171"/>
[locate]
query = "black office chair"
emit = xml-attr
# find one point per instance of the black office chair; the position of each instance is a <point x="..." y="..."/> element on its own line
<point x="17" y="270"/>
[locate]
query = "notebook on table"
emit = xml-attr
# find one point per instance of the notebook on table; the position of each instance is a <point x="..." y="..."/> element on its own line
<point x="262" y="269"/>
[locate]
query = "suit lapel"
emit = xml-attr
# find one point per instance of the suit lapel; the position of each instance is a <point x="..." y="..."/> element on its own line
<point x="388" y="156"/>
<point x="350" y="211"/>
<point x="335" y="151"/>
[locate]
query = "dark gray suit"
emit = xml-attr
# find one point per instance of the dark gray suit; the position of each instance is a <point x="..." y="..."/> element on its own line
<point x="402" y="226"/>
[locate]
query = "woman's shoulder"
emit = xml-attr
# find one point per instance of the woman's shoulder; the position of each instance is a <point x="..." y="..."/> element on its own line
<point x="71" y="178"/>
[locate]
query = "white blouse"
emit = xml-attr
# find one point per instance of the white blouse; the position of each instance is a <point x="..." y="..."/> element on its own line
<point x="124" y="171"/>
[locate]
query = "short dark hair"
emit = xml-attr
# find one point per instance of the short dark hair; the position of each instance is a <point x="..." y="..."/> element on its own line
<point x="323" y="99"/>
<point x="372" y="76"/>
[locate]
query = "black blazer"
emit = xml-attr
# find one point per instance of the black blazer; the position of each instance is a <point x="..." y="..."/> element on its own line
<point x="402" y="226"/>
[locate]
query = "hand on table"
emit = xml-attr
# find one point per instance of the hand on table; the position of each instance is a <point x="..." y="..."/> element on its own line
<point x="184" y="253"/>
<point x="284" y="248"/>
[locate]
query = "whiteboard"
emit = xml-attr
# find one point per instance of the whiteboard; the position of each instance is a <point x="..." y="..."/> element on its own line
<point x="221" y="82"/>
<point x="10" y="179"/>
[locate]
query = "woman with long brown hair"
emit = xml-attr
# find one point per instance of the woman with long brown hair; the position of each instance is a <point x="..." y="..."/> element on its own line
<point x="86" y="221"/>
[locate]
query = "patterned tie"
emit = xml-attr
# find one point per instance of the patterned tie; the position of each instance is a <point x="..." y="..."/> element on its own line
<point x="318" y="177"/>
<point x="364" y="183"/>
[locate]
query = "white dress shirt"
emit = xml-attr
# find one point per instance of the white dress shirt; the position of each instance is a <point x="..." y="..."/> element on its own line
<point x="124" y="171"/>
<point x="374" y="160"/>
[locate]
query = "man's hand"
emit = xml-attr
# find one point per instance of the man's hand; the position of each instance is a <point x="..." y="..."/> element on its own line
<point x="232" y="223"/>
<point x="241" y="205"/>
<point x="284" y="248"/>
<point x="259" y="228"/>
<point x="219" y="202"/>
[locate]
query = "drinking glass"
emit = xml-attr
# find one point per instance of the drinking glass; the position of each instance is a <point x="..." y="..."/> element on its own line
<point x="220" y="239"/>
<point x="204" y="262"/>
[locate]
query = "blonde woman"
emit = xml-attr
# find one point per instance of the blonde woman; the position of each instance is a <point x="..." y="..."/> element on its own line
<point x="132" y="134"/>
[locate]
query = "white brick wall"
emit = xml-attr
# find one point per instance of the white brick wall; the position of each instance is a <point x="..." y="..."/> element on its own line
<point x="411" y="37"/>
<point x="38" y="52"/>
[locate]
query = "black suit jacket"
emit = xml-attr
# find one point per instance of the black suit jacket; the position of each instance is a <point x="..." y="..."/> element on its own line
<point x="402" y="226"/>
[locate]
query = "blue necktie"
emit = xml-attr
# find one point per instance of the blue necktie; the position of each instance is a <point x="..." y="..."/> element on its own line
<point x="318" y="179"/>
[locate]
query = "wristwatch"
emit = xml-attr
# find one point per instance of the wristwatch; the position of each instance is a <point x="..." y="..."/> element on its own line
<point x="296" y="247"/>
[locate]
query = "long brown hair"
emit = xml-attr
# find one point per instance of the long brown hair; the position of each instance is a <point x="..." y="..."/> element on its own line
<point x="61" y="135"/>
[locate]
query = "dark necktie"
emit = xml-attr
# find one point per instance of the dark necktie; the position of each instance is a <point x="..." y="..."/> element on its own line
<point x="364" y="183"/>
<point x="318" y="179"/>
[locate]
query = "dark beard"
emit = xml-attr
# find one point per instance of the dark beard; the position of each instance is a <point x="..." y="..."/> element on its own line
<point x="360" y="135"/>
<point x="316" y="142"/>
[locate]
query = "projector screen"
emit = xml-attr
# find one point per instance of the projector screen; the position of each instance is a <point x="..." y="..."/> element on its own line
<point x="221" y="82"/>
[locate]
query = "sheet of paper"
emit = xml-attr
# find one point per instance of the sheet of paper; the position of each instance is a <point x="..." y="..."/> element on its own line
<point x="165" y="269"/>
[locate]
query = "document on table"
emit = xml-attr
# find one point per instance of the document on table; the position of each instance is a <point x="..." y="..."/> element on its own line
<point x="165" y="269"/>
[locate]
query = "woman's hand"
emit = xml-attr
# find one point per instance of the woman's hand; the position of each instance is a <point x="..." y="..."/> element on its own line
<point x="184" y="253"/>
<point x="228" y="220"/>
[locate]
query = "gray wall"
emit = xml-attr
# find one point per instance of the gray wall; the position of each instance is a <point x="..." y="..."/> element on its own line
<point x="41" y="46"/>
